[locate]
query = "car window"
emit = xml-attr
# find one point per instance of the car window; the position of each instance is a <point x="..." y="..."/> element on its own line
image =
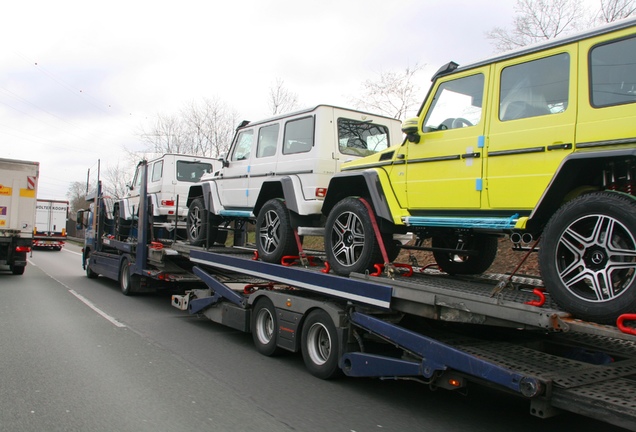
<point x="299" y="135"/>
<point x="267" y="139"/>
<point x="243" y="145"/>
<point x="361" y="138"/>
<point x="191" y="171"/>
<point x="613" y="73"/>
<point x="535" y="88"/>
<point x="157" y="171"/>
<point x="457" y="104"/>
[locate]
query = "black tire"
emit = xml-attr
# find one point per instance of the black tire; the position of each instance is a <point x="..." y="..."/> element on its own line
<point x="128" y="282"/>
<point x="319" y="345"/>
<point x="587" y="256"/>
<point x="350" y="242"/>
<point x="17" y="270"/>
<point x="264" y="327"/>
<point x="274" y="234"/>
<point x="87" y="264"/>
<point x="197" y="222"/>
<point x="484" y="245"/>
<point x="122" y="226"/>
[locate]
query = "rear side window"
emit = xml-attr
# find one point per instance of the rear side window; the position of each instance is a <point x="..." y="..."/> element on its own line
<point x="192" y="171"/>
<point x="613" y="73"/>
<point x="361" y="138"/>
<point x="535" y="88"/>
<point x="267" y="139"/>
<point x="299" y="136"/>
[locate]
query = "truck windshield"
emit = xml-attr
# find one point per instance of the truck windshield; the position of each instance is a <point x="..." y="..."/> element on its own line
<point x="361" y="138"/>
<point x="192" y="171"/>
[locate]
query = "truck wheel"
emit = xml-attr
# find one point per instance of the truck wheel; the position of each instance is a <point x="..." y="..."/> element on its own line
<point x="484" y="245"/>
<point x="275" y="234"/>
<point x="320" y="345"/>
<point x="129" y="283"/>
<point x="17" y="270"/>
<point x="587" y="256"/>
<point x="89" y="271"/>
<point x="350" y="242"/>
<point x="265" y="327"/>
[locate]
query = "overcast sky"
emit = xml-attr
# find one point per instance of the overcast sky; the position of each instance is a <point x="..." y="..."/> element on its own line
<point x="81" y="78"/>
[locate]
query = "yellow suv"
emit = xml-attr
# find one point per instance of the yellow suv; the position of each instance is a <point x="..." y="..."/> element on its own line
<point x="535" y="143"/>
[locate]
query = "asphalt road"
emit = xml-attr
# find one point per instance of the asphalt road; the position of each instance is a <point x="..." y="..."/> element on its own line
<point x="77" y="355"/>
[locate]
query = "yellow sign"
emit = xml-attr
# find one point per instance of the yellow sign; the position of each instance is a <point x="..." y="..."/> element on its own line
<point x="5" y="190"/>
<point x="29" y="193"/>
<point x="3" y="222"/>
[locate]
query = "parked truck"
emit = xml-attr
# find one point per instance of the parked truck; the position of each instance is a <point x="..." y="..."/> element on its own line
<point x="18" y="191"/>
<point x="50" y="224"/>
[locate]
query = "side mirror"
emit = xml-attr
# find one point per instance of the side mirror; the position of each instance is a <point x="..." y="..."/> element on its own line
<point x="80" y="219"/>
<point x="410" y="129"/>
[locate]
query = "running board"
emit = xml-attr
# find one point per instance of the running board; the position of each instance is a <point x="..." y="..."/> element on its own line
<point x="462" y="222"/>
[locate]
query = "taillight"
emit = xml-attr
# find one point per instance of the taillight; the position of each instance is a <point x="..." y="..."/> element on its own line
<point x="21" y="249"/>
<point x="321" y="192"/>
<point x="167" y="203"/>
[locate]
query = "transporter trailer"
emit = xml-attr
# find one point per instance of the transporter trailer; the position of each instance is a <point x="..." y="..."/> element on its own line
<point x="443" y="331"/>
<point x="401" y="322"/>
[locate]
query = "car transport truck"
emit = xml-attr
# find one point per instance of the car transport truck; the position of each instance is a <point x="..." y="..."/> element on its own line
<point x="18" y="191"/>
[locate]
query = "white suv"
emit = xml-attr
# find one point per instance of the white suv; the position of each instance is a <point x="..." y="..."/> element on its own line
<point x="277" y="172"/>
<point x="169" y="179"/>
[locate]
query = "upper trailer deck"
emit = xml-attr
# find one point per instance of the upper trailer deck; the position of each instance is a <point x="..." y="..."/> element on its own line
<point x="480" y="300"/>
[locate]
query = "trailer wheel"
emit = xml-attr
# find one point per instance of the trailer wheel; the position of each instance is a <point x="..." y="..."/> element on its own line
<point x="350" y="241"/>
<point x="87" y="264"/>
<point x="588" y="256"/>
<point x="129" y="283"/>
<point x="17" y="270"/>
<point x="320" y="345"/>
<point x="483" y="245"/>
<point x="275" y="234"/>
<point x="265" y="327"/>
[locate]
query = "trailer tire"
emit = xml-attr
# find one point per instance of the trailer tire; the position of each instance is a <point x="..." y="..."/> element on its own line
<point x="17" y="270"/>
<point x="319" y="345"/>
<point x="275" y="236"/>
<point x="129" y="283"/>
<point x="87" y="264"/>
<point x="265" y="327"/>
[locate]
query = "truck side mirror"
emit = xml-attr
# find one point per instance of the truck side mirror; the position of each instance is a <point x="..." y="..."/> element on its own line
<point x="80" y="219"/>
<point x="410" y="129"/>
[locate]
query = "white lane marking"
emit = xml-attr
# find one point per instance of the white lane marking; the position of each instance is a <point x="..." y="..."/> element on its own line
<point x="70" y="251"/>
<point x="90" y="304"/>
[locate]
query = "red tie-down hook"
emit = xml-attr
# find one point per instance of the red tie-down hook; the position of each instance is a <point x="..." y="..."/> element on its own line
<point x="539" y="292"/>
<point x="620" y="323"/>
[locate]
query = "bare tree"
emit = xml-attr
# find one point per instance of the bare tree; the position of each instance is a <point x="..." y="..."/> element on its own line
<point x="537" y="20"/>
<point x="203" y="129"/>
<point x="114" y="180"/>
<point x="612" y="10"/>
<point x="76" y="195"/>
<point x="393" y="94"/>
<point x="281" y="100"/>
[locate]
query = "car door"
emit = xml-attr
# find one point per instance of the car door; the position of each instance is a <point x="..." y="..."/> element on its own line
<point x="232" y="184"/>
<point x="444" y="169"/>
<point x="532" y="127"/>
